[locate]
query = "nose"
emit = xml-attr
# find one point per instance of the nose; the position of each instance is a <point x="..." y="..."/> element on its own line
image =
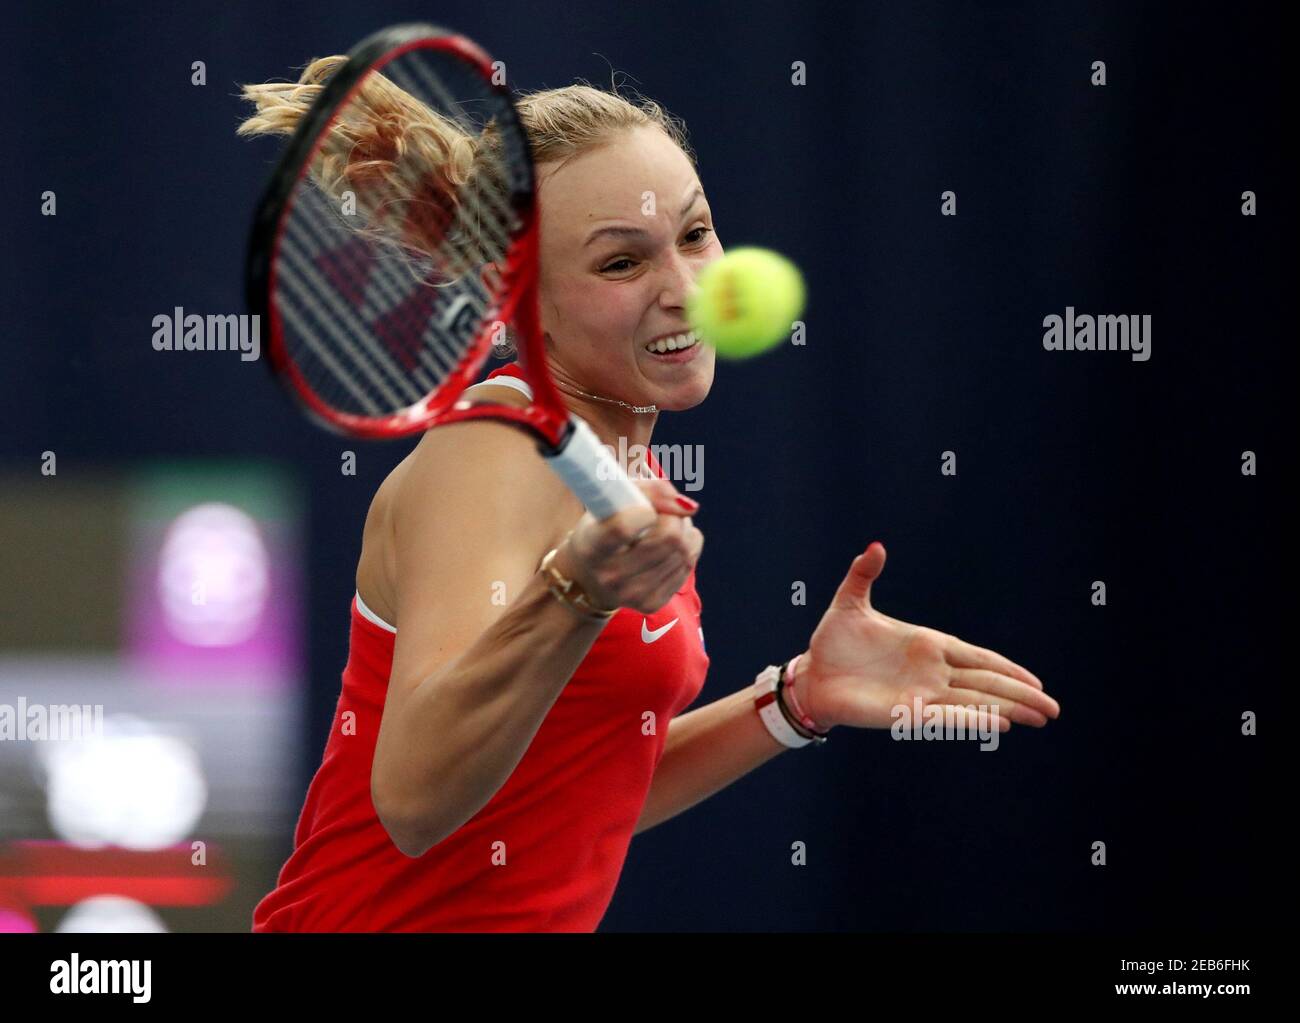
<point x="678" y="277"/>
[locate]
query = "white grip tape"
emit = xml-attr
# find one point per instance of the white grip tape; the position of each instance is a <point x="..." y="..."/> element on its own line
<point x="590" y="471"/>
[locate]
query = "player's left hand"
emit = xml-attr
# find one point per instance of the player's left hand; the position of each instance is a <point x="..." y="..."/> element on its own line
<point x="861" y="664"/>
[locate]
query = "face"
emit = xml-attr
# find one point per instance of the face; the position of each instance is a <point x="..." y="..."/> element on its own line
<point x="606" y="293"/>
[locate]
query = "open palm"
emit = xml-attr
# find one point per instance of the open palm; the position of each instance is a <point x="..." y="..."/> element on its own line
<point x="860" y="665"/>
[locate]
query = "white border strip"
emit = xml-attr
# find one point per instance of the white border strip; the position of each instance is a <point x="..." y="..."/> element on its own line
<point x="370" y="616"/>
<point x="509" y="381"/>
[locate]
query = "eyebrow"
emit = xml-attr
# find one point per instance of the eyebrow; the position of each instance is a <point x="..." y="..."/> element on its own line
<point x="636" y="232"/>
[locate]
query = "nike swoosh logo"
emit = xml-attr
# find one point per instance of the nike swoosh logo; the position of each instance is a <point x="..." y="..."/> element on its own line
<point x="649" y="637"/>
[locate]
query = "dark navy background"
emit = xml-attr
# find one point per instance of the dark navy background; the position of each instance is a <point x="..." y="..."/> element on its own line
<point x="924" y="335"/>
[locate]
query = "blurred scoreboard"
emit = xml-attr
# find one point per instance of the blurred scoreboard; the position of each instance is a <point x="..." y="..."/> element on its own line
<point x="152" y="678"/>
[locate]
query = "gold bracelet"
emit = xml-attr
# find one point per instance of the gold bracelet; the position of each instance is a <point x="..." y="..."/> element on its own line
<point x="569" y="593"/>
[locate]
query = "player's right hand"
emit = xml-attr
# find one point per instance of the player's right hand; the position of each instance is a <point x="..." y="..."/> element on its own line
<point x="637" y="558"/>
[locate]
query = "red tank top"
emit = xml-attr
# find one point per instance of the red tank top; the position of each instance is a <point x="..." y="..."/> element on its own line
<point x="545" y="853"/>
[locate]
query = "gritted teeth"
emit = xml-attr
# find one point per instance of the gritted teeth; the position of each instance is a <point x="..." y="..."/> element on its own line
<point x="674" y="343"/>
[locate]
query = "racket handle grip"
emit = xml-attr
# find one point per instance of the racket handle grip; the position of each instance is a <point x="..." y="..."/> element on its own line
<point x="589" y="470"/>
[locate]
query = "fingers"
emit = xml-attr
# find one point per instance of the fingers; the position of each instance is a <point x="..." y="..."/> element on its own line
<point x="672" y="531"/>
<point x="965" y="708"/>
<point x="1006" y="710"/>
<point x="651" y="561"/>
<point x="995" y="684"/>
<point x="678" y="546"/>
<point x="649" y="587"/>
<point x="1020" y="713"/>
<point x="671" y="547"/>
<point x="640" y="554"/>
<point x="630" y="526"/>
<point x="665" y="498"/>
<point x="967" y="716"/>
<point x="960" y="654"/>
<point x="664" y="586"/>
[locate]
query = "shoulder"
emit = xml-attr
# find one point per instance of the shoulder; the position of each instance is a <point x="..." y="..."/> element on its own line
<point x="481" y="479"/>
<point x="486" y="460"/>
<point x="463" y="447"/>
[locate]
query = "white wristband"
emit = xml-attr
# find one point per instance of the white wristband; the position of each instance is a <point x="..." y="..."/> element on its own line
<point x="765" y="701"/>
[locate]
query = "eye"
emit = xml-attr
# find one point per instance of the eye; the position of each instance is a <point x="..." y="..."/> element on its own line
<point x="614" y="267"/>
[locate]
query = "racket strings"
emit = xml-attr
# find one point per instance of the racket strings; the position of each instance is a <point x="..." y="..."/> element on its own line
<point x="486" y="158"/>
<point x="379" y="259"/>
<point x="391" y="271"/>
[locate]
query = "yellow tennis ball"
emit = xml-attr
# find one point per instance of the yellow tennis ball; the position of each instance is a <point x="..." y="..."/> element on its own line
<point x="746" y="301"/>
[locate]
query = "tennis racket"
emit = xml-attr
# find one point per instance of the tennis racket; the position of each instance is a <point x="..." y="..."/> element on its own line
<point x="384" y="271"/>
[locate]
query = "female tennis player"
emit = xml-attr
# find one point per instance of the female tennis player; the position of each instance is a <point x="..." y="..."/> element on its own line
<point x="511" y="710"/>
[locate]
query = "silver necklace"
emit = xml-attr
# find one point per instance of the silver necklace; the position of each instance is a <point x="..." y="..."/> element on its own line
<point x="615" y="401"/>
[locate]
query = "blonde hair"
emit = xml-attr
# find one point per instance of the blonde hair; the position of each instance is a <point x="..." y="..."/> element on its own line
<point x="386" y="130"/>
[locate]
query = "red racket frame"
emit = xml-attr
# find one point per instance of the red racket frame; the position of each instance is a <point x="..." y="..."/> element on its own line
<point x="517" y="300"/>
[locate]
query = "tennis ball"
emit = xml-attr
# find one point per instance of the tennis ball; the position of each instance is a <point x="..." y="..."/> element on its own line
<point x="746" y="301"/>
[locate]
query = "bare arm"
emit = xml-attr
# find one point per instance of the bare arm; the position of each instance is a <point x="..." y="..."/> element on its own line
<point x="472" y="679"/>
<point x="706" y="750"/>
<point x="455" y="737"/>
